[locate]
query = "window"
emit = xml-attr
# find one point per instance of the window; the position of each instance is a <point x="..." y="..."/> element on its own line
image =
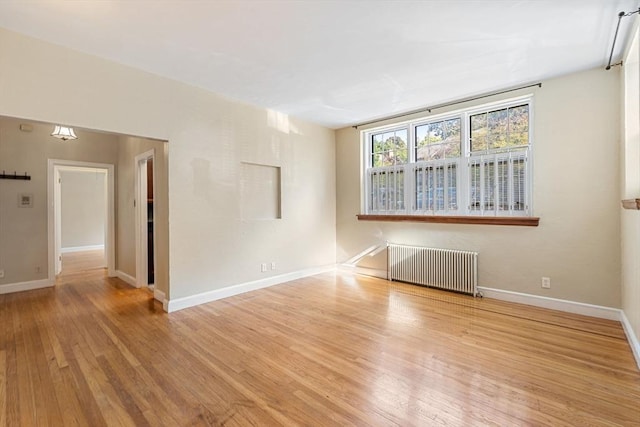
<point x="471" y="162"/>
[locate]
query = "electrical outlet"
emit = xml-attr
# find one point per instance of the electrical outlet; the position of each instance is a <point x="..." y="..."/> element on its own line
<point x="546" y="282"/>
<point x="263" y="267"/>
<point x="273" y="265"/>
<point x="1" y="274"/>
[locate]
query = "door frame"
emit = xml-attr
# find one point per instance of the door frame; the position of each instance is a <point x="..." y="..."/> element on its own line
<point x="54" y="212"/>
<point x="140" y="202"/>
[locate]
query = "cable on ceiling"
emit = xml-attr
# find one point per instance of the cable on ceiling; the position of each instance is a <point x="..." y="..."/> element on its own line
<point x="615" y="37"/>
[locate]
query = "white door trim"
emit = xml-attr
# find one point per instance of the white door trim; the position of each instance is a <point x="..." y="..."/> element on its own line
<point x="141" y="215"/>
<point x="53" y="204"/>
<point x="57" y="215"/>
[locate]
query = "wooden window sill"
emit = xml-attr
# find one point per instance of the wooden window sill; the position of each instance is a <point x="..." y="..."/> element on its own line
<point x="481" y="220"/>
<point x="631" y="204"/>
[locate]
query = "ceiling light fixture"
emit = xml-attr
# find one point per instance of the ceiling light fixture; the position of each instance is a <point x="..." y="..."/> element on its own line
<point x="64" y="133"/>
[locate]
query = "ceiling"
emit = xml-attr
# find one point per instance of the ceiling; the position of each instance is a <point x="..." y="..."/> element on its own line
<point x="334" y="62"/>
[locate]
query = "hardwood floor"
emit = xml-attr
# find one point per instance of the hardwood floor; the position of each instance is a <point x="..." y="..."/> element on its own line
<point x="75" y="262"/>
<point x="331" y="349"/>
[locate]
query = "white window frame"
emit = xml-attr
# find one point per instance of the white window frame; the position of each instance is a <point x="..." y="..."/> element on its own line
<point x="463" y="186"/>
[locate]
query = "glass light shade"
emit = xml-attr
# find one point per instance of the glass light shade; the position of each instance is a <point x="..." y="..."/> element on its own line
<point x="64" y="133"/>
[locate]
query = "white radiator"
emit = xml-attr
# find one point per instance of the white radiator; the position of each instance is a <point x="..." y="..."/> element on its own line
<point x="448" y="269"/>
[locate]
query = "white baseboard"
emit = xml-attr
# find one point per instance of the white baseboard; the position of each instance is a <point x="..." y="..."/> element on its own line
<point x="205" y="297"/>
<point x="81" y="248"/>
<point x="26" y="286"/>
<point x="631" y="337"/>
<point x="553" y="303"/>
<point x="160" y="296"/>
<point x="127" y="278"/>
<point x="366" y="271"/>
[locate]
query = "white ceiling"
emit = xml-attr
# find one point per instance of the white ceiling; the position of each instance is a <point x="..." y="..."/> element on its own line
<point x="335" y="62"/>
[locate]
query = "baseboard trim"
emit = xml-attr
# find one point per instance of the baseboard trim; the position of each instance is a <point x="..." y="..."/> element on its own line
<point x="127" y="278"/>
<point x="365" y="271"/>
<point x="26" y="286"/>
<point x="81" y="248"/>
<point x="205" y="297"/>
<point x="599" y="311"/>
<point x="160" y="296"/>
<point x="631" y="337"/>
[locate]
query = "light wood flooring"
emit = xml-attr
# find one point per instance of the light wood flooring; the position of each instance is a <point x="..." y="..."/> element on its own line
<point x="329" y="350"/>
<point x="75" y="262"/>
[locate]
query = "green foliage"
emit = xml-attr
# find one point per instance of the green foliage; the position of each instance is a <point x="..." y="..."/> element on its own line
<point x="493" y="130"/>
<point x="390" y="148"/>
<point x="439" y="140"/>
<point x="508" y="127"/>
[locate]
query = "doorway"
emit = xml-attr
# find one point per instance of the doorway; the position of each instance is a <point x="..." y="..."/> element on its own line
<point x="145" y="219"/>
<point x="56" y="170"/>
<point x="82" y="219"/>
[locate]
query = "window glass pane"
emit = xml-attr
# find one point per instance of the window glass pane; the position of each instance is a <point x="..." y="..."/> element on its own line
<point x="452" y="179"/>
<point x="376" y="149"/>
<point x="422" y="154"/>
<point x="401" y="155"/>
<point x="429" y="183"/>
<point x="500" y="129"/>
<point x="479" y="129"/>
<point x="376" y="146"/>
<point x="391" y="190"/>
<point x="399" y="190"/>
<point x="451" y="150"/>
<point x="397" y="146"/>
<point x="439" y="185"/>
<point x="418" y="189"/>
<point x="389" y="148"/>
<point x="387" y="158"/>
<point x="435" y="132"/>
<point x="518" y="185"/>
<point x="474" y="178"/>
<point x="373" y="197"/>
<point x="435" y="152"/>
<point x="423" y="139"/>
<point x="439" y="140"/>
<point x="382" y="191"/>
<point x="497" y="129"/>
<point x="452" y="131"/>
<point x="503" y="185"/>
<point x="376" y="160"/>
<point x="489" y="185"/>
<point x="519" y="125"/>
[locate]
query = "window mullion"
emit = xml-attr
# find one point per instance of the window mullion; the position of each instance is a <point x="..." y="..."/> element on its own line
<point x="464" y="181"/>
<point x="510" y="184"/>
<point x="496" y="184"/>
<point x="526" y="203"/>
<point x="408" y="188"/>
<point x="409" y="174"/>
<point x="368" y="192"/>
<point x="481" y="176"/>
<point x="445" y="187"/>
<point x="391" y="199"/>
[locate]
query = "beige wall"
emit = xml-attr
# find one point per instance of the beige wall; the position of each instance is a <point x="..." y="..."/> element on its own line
<point x="630" y="167"/>
<point x="23" y="231"/>
<point x="129" y="147"/>
<point x="83" y="208"/>
<point x="575" y="161"/>
<point x="209" y="137"/>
